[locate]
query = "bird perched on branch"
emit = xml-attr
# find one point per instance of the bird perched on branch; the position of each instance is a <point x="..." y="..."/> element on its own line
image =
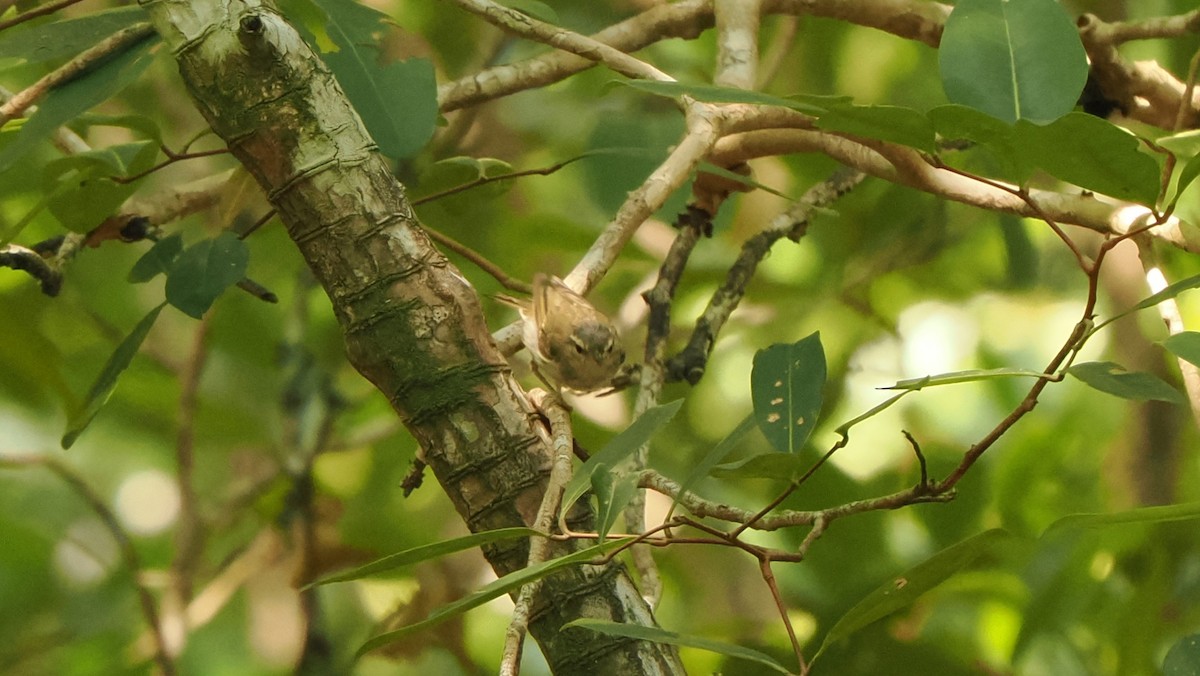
<point x="571" y="342"/>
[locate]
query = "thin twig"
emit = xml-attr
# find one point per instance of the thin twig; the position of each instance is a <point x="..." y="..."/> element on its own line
<point x="114" y="44"/>
<point x="37" y="12"/>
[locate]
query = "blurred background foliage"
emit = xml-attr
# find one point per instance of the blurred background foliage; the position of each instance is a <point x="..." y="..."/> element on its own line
<point x="899" y="284"/>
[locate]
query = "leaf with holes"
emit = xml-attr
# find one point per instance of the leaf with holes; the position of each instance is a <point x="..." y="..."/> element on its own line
<point x="786" y="385"/>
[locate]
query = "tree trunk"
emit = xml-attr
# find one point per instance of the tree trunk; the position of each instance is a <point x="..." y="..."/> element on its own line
<point x="412" y="323"/>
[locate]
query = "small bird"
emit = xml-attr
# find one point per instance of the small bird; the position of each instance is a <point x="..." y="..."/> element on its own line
<point x="571" y="342"/>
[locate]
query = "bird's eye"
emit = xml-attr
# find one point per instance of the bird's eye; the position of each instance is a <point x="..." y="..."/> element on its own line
<point x="577" y="344"/>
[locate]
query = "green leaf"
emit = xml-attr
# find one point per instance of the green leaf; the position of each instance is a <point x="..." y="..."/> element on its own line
<point x="41" y="43"/>
<point x="425" y="553"/>
<point x="397" y="101"/>
<point x="716" y="455"/>
<point x="1091" y="153"/>
<point x="1012" y="59"/>
<point x="204" y="270"/>
<point x="106" y="382"/>
<point x="812" y="105"/>
<point x="786" y="386"/>
<point x="657" y="635"/>
<point x="844" y="428"/>
<point x="620" y="447"/>
<point x="902" y="590"/>
<point x="1170" y="292"/>
<point x="1185" y="345"/>
<point x="157" y="260"/>
<point x="957" y="122"/>
<point x="781" y="466"/>
<point x="82" y="192"/>
<point x="955" y="377"/>
<point x="1158" y="514"/>
<point x="1114" y="379"/>
<point x="613" y="492"/>
<point x="77" y="96"/>
<point x="504" y="585"/>
<point x="710" y="168"/>
<point x="1183" y="659"/>
<point x="887" y="123"/>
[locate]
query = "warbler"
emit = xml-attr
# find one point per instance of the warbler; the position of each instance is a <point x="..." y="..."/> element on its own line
<point x="571" y="342"/>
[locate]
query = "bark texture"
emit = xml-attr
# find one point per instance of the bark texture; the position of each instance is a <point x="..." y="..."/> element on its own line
<point x="412" y="323"/>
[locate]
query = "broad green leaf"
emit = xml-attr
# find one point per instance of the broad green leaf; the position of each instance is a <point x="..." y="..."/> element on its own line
<point x="1091" y="153"/>
<point x="1114" y="379"/>
<point x="613" y="492"/>
<point x="1159" y="514"/>
<point x="786" y="384"/>
<point x="142" y="126"/>
<point x="425" y="553"/>
<point x="657" y="635"/>
<point x="620" y="447"/>
<point x="887" y="123"/>
<point x="41" y="43"/>
<point x="957" y="122"/>
<point x="204" y="270"/>
<point x="504" y="585"/>
<point x="1185" y="345"/>
<point x="157" y="260"/>
<point x="955" y="377"/>
<point x="779" y="466"/>
<point x="812" y="105"/>
<point x="902" y="590"/>
<point x="454" y="172"/>
<point x="77" y="96"/>
<point x="1013" y="59"/>
<point x="1187" y="175"/>
<point x="717" y="454"/>
<point x="106" y="382"/>
<point x="83" y="194"/>
<point x="1183" y="659"/>
<point x="397" y="101"/>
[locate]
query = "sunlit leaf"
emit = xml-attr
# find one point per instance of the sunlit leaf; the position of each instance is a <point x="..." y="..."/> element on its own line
<point x="902" y="590"/>
<point x="613" y="492"/>
<point x="106" y="382"/>
<point x="786" y="384"/>
<point x="1013" y="59"/>
<point x="715" y="455"/>
<point x="1185" y="345"/>
<point x="1114" y="379"/>
<point x="778" y="466"/>
<point x="425" y="553"/>
<point x="955" y="377"/>
<point x="1158" y="514"/>
<point x="813" y="105"/>
<point x="893" y="124"/>
<point x="506" y="584"/>
<point x="1091" y="153"/>
<point x="657" y="635"/>
<point x="620" y="447"/>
